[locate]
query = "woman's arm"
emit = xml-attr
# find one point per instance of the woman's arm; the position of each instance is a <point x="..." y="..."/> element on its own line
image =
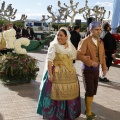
<point x="50" y="71"/>
<point x="50" y="58"/>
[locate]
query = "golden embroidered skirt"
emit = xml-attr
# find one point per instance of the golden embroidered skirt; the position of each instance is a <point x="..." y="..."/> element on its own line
<point x="65" y="84"/>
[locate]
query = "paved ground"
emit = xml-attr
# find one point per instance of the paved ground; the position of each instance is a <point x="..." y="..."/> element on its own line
<point x="20" y="102"/>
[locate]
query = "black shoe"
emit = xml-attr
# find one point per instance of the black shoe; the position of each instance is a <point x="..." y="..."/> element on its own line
<point x="103" y="79"/>
<point x="107" y="80"/>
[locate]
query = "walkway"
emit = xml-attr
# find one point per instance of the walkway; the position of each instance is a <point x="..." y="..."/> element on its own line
<point x="20" y="102"/>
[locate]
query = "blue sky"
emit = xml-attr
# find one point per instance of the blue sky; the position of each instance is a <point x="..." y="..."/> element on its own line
<point x="34" y="9"/>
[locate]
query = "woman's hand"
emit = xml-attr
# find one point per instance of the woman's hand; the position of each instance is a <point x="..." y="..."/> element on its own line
<point x="50" y="78"/>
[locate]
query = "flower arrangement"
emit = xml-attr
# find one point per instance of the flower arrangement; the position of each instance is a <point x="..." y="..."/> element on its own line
<point x="18" y="43"/>
<point x="10" y="38"/>
<point x="18" y="68"/>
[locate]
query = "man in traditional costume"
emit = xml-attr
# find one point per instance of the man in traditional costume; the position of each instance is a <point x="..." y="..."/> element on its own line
<point x="60" y="96"/>
<point x="91" y="53"/>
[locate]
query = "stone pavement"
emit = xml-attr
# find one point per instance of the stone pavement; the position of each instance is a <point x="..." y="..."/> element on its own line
<point x="20" y="102"/>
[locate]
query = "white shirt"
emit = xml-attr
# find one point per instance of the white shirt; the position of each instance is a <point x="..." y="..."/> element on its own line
<point x="57" y="48"/>
<point x="95" y="41"/>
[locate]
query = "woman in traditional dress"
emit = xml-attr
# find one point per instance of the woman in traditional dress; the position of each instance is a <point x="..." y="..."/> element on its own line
<point x="59" y="92"/>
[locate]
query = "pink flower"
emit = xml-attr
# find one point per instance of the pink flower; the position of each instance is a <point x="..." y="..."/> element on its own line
<point x="24" y="60"/>
<point x="14" y="65"/>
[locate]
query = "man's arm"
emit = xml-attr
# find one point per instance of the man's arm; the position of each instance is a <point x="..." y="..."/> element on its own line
<point x="81" y="54"/>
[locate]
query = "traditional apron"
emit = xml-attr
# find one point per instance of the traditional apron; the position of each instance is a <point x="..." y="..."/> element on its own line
<point x="65" y="82"/>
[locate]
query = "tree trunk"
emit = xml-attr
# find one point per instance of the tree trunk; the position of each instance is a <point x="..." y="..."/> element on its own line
<point x="51" y="25"/>
<point x="72" y="19"/>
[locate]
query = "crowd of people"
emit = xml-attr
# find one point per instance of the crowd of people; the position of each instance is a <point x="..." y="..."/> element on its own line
<point x="20" y="31"/>
<point x="59" y="97"/>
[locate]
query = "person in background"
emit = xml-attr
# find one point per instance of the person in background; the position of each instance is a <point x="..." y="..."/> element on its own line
<point x="110" y="47"/>
<point x="72" y="28"/>
<point x="88" y="32"/>
<point x="8" y="26"/>
<point x="69" y="29"/>
<point x="91" y="53"/>
<point x="18" y="32"/>
<point x="75" y="37"/>
<point x="32" y="34"/>
<point x="3" y="46"/>
<point x="25" y="32"/>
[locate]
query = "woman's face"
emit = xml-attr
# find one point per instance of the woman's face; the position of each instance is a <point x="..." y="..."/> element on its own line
<point x="61" y="37"/>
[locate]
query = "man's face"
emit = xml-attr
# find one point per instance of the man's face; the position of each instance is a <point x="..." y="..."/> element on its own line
<point x="109" y="28"/>
<point x="96" y="32"/>
<point x="78" y="30"/>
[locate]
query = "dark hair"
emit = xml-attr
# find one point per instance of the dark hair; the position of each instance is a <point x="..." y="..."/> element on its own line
<point x="76" y="27"/>
<point x="105" y="26"/>
<point x="64" y="31"/>
<point x="69" y="27"/>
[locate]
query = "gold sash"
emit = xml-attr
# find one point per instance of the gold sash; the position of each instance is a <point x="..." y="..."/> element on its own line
<point x="65" y="85"/>
<point x="2" y="43"/>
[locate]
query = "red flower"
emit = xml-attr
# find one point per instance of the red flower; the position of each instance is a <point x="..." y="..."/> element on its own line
<point x="37" y="39"/>
<point x="116" y="36"/>
<point x="14" y="65"/>
<point x="117" y="62"/>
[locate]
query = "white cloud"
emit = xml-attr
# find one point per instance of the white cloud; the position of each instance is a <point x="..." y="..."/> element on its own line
<point x="110" y="4"/>
<point x="37" y="16"/>
<point x="18" y="16"/>
<point x="27" y="10"/>
<point x="80" y="16"/>
<point x="38" y="3"/>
